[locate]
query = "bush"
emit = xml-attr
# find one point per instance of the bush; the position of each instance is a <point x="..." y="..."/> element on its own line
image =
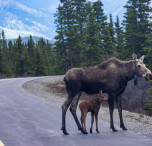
<point x="148" y="107"/>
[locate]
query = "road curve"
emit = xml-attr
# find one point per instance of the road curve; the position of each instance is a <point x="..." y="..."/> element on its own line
<point x="26" y="120"/>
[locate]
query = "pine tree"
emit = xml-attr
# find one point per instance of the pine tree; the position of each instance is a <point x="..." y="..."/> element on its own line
<point x="61" y="49"/>
<point x="19" y="54"/>
<point x="119" y="39"/>
<point x="1" y="46"/>
<point x="93" y="39"/>
<point x="101" y="22"/>
<point x="144" y="24"/>
<point x="89" y="54"/>
<point x="108" y="44"/>
<point x="5" y="57"/>
<point x="11" y="58"/>
<point x="111" y="29"/>
<point x="79" y="29"/>
<point x="40" y="68"/>
<point x="137" y="26"/>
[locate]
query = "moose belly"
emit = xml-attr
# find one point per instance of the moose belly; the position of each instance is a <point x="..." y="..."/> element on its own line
<point x="93" y="88"/>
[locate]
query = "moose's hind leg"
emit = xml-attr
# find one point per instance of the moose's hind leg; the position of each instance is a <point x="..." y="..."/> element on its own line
<point x="64" y="110"/>
<point x="73" y="109"/>
<point x="92" y="120"/>
<point x="119" y="105"/>
<point x="111" y="109"/>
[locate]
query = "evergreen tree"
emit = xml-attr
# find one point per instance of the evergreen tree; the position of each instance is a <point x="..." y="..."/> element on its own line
<point x="137" y="26"/>
<point x="79" y="28"/>
<point x="111" y="29"/>
<point x="108" y="44"/>
<point x="19" y="54"/>
<point x="112" y="34"/>
<point x="11" y="58"/>
<point x="93" y="39"/>
<point x="40" y="68"/>
<point x="1" y="46"/>
<point x="90" y="52"/>
<point x="119" y="39"/>
<point x="61" y="50"/>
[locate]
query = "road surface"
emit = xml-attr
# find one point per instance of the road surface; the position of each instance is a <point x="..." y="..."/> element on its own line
<point x="26" y="120"/>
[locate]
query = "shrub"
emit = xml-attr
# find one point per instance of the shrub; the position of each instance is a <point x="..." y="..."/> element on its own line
<point x="148" y="107"/>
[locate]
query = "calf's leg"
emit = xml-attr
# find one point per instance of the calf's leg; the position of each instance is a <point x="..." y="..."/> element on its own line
<point x="96" y="117"/>
<point x="92" y="120"/>
<point x="84" y="120"/>
<point x="83" y="115"/>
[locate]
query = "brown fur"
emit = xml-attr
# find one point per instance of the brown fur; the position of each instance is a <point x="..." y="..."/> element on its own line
<point x="110" y="76"/>
<point x="92" y="106"/>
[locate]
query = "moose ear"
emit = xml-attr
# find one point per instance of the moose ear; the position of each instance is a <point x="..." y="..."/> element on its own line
<point x="142" y="58"/>
<point x="134" y="57"/>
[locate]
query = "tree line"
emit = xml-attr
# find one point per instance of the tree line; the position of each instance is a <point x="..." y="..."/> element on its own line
<point x="25" y="59"/>
<point x="85" y="36"/>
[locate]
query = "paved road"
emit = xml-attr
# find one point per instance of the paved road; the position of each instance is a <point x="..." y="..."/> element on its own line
<point x="26" y="120"/>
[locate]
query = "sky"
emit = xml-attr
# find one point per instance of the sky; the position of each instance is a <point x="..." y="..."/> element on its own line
<point x="36" y="17"/>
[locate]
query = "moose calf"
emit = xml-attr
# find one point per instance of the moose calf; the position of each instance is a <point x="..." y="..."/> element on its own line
<point x="92" y="106"/>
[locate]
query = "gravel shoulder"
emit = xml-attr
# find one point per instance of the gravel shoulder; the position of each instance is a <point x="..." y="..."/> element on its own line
<point x="137" y="123"/>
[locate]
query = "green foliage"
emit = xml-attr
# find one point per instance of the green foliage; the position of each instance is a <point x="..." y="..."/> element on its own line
<point x="21" y="59"/>
<point x="84" y="38"/>
<point x="137" y="26"/>
<point x="148" y="107"/>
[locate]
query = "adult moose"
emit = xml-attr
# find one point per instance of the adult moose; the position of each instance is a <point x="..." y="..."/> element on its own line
<point x="110" y="76"/>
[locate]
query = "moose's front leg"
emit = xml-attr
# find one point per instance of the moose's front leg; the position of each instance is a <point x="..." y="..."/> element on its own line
<point x="119" y="105"/>
<point x="111" y="109"/>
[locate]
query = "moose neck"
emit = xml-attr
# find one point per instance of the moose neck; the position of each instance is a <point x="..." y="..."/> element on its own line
<point x="129" y="70"/>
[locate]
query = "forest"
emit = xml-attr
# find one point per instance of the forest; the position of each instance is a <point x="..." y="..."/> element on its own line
<point x="85" y="36"/>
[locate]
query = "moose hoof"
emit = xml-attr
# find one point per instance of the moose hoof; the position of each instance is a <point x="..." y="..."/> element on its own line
<point x="65" y="132"/>
<point x="114" y="130"/>
<point x="123" y="127"/>
<point x="80" y="129"/>
<point x="86" y="132"/>
<point x="98" y="131"/>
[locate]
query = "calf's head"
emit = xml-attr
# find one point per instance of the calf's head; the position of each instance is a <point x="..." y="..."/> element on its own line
<point x="102" y="97"/>
<point x="140" y="68"/>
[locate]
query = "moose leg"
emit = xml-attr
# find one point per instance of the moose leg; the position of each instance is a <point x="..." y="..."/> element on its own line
<point x="64" y="110"/>
<point x="111" y="109"/>
<point x="85" y="130"/>
<point x="83" y="121"/>
<point x="73" y="109"/>
<point x="119" y="105"/>
<point x="92" y="120"/>
<point x="96" y="117"/>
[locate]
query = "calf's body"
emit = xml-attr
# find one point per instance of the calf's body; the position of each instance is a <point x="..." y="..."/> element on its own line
<point x="92" y="106"/>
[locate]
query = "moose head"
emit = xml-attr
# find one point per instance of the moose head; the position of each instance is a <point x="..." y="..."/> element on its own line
<point x="140" y="69"/>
